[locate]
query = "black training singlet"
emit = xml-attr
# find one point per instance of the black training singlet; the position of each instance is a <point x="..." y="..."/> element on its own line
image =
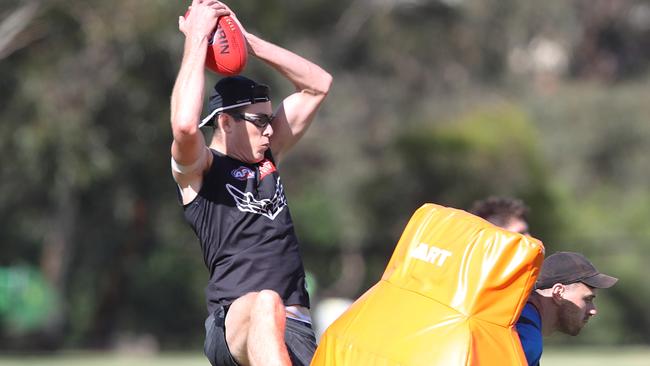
<point x="243" y="222"/>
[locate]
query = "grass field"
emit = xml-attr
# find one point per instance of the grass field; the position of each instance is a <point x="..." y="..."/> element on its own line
<point x="552" y="357"/>
<point x="629" y="356"/>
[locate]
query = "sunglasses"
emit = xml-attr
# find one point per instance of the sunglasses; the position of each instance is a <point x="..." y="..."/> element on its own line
<point x="260" y="120"/>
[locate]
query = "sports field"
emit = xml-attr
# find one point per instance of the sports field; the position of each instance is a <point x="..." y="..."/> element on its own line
<point x="552" y="357"/>
<point x="630" y="356"/>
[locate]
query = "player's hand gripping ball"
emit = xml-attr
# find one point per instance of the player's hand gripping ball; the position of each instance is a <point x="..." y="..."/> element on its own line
<point x="227" y="52"/>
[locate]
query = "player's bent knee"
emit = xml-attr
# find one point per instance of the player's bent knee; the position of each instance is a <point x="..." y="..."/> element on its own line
<point x="268" y="299"/>
<point x="268" y="303"/>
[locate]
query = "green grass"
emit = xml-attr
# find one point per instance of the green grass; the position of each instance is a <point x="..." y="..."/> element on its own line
<point x="604" y="356"/>
<point x="106" y="359"/>
<point x="628" y="356"/>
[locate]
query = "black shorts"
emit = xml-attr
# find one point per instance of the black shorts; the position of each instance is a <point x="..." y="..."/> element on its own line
<point x="298" y="336"/>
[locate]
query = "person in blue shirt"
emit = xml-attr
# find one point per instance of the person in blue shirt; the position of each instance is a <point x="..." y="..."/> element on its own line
<point x="563" y="299"/>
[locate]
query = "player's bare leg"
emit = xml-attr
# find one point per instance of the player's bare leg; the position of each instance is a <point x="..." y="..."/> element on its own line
<point x="255" y="330"/>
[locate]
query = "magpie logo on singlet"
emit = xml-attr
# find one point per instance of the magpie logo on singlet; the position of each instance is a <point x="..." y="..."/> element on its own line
<point x="243" y="173"/>
<point x="269" y="207"/>
<point x="430" y="253"/>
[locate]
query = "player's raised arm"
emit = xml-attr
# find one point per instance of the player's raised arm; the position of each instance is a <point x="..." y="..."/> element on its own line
<point x="297" y="111"/>
<point x="188" y="147"/>
<point x="311" y="82"/>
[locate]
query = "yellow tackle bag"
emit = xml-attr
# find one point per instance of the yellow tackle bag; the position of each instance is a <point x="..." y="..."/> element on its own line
<point x="450" y="296"/>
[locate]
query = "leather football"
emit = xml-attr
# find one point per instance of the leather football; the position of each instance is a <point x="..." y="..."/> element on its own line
<point x="227" y="53"/>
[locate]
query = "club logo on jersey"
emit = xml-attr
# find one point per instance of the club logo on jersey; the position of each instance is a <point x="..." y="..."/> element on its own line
<point x="243" y="173"/>
<point x="266" y="167"/>
<point x="269" y="207"/>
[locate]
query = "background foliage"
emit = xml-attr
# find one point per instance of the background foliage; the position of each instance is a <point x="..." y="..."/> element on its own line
<point x="443" y="101"/>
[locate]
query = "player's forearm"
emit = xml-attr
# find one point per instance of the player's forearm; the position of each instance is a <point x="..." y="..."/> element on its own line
<point x="187" y="95"/>
<point x="304" y="74"/>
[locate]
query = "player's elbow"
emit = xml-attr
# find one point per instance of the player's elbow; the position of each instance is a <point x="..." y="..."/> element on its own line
<point x="183" y="126"/>
<point x="325" y="83"/>
<point x="319" y="84"/>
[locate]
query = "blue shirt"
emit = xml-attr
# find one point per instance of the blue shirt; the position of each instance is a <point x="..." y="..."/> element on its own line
<point x="529" y="327"/>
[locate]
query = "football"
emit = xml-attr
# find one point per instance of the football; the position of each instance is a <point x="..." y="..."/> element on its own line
<point x="227" y="52"/>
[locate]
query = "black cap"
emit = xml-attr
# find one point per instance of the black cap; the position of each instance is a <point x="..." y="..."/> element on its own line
<point x="569" y="267"/>
<point x="233" y="92"/>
